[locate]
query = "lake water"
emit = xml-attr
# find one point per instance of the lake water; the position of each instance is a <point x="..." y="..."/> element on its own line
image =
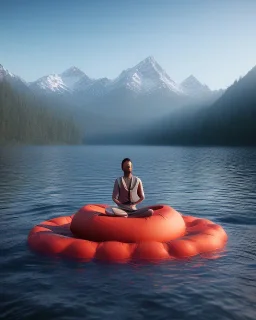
<point x="39" y="183"/>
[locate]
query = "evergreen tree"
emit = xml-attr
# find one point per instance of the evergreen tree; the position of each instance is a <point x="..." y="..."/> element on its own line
<point x="26" y="119"/>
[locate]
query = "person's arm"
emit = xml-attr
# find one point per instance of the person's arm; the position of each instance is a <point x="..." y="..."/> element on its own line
<point x="140" y="193"/>
<point x="115" y="193"/>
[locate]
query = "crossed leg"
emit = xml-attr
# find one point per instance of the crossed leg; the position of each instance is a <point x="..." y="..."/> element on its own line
<point x="139" y="213"/>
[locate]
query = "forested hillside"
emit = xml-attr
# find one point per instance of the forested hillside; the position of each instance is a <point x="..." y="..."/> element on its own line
<point x="25" y="119"/>
<point x="231" y="120"/>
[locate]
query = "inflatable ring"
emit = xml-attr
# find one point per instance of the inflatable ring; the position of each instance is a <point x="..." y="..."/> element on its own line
<point x="55" y="237"/>
<point x="166" y="224"/>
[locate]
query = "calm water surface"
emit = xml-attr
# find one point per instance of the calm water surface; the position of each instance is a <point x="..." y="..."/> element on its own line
<point x="39" y="183"/>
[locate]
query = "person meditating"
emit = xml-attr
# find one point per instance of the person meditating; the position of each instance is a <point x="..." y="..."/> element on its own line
<point x="127" y="193"/>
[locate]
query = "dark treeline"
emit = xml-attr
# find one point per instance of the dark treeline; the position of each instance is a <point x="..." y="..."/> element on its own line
<point x="25" y="119"/>
<point x="231" y="120"/>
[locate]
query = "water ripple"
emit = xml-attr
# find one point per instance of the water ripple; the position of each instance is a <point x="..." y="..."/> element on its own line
<point x="39" y="183"/>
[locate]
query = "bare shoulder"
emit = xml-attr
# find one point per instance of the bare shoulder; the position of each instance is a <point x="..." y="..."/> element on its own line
<point x="139" y="179"/>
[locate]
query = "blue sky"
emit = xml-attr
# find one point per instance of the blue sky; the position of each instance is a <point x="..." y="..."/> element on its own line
<point x="212" y="39"/>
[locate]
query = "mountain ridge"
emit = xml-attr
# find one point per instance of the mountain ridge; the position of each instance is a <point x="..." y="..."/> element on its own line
<point x="146" y="76"/>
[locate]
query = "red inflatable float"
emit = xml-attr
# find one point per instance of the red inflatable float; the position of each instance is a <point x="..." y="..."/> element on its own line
<point x="90" y="234"/>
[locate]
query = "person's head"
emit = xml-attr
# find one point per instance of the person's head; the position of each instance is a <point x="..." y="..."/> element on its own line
<point x="126" y="165"/>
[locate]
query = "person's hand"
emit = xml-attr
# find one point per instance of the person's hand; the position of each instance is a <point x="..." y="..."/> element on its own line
<point x="126" y="206"/>
<point x="116" y="201"/>
<point x="132" y="206"/>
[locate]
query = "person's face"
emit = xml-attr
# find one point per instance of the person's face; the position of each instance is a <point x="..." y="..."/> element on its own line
<point x="127" y="167"/>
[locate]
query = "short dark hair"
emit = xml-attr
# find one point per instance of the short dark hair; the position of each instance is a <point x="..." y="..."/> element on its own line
<point x="125" y="159"/>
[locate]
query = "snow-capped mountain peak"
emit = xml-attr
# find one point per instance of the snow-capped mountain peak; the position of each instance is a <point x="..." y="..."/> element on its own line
<point x="191" y="80"/>
<point x="60" y="83"/>
<point x="146" y="76"/>
<point x="73" y="71"/>
<point x="192" y="86"/>
<point x="5" y="73"/>
<point x="15" y="81"/>
<point x="150" y="60"/>
<point x="72" y="76"/>
<point x="52" y="82"/>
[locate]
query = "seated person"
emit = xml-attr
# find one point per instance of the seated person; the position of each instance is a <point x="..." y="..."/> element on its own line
<point x="128" y="192"/>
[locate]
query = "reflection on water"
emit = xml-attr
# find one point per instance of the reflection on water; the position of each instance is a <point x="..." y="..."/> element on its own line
<point x="38" y="183"/>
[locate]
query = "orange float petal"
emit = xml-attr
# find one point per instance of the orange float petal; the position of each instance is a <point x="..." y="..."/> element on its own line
<point x="165" y="235"/>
